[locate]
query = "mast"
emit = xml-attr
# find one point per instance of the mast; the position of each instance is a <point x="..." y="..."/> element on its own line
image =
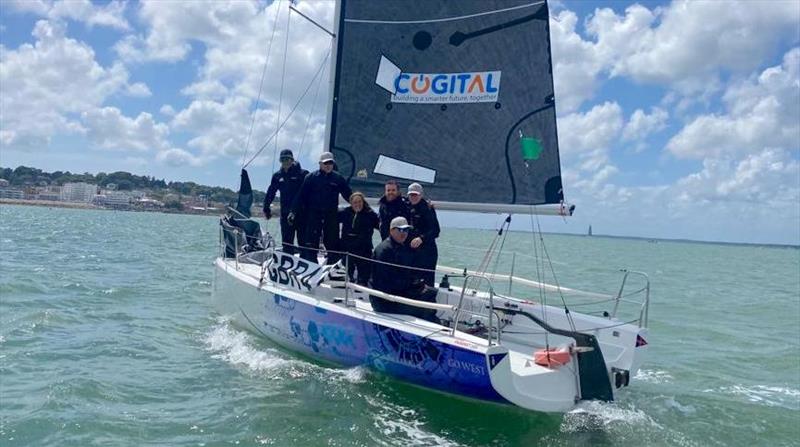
<point x="332" y="83"/>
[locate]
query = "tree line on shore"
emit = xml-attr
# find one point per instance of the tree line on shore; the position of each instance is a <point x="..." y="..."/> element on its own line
<point x="125" y="181"/>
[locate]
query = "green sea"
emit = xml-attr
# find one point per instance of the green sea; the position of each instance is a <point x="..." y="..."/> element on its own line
<point x="108" y="337"/>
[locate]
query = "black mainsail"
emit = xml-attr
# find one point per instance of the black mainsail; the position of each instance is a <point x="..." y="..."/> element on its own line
<point x="455" y="95"/>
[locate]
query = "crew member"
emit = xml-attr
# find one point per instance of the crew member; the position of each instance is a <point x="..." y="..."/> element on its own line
<point x="287" y="180"/>
<point x="318" y="200"/>
<point x="391" y="205"/>
<point x="390" y="274"/>
<point x="359" y="222"/>
<point x="426" y="230"/>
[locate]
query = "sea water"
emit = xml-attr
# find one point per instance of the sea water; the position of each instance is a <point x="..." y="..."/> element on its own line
<point x="107" y="337"/>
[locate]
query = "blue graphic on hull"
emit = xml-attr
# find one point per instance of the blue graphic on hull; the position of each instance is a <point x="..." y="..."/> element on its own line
<point x="349" y="341"/>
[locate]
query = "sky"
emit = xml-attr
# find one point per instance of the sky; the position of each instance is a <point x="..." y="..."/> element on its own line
<point x="676" y="119"/>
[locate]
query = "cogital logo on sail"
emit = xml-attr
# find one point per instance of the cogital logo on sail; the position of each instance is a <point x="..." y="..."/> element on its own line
<point x="438" y="88"/>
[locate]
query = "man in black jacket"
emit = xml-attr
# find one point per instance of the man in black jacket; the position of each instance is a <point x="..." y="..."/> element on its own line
<point x="391" y="205"/>
<point x="287" y="180"/>
<point x="426" y="230"/>
<point x="318" y="201"/>
<point x="390" y="276"/>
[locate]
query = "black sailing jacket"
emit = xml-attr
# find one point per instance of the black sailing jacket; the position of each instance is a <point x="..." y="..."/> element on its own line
<point x="320" y="192"/>
<point x="357" y="228"/>
<point x="288" y="183"/>
<point x="389" y="210"/>
<point x="393" y="279"/>
<point x="425" y="222"/>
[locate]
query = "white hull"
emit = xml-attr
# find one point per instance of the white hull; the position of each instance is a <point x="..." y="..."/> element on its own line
<point x="338" y="325"/>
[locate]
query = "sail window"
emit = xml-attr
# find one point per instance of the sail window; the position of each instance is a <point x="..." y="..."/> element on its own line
<point x="388" y="73"/>
<point x="393" y="167"/>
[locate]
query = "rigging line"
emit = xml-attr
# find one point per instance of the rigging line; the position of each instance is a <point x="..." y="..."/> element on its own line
<point x="311" y="113"/>
<point x="502" y="244"/>
<point x="261" y="84"/>
<point x="291" y="112"/>
<point x="445" y="19"/>
<point x="555" y="279"/>
<point x="280" y="96"/>
<point x="539" y="276"/>
<point x="483" y="250"/>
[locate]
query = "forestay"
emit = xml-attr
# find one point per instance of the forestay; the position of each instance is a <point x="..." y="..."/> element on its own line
<point x="456" y="95"/>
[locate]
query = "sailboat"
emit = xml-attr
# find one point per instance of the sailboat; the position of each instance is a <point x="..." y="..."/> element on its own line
<point x="589" y="233"/>
<point x="457" y="96"/>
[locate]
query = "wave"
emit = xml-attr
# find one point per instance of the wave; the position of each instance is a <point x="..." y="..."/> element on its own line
<point x="653" y="376"/>
<point x="771" y="396"/>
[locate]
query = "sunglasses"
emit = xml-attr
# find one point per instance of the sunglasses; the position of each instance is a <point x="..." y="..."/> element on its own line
<point x="327" y="163"/>
<point x="402" y="230"/>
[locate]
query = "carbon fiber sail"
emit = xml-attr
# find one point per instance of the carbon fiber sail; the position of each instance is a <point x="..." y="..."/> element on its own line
<point x="455" y="95"/>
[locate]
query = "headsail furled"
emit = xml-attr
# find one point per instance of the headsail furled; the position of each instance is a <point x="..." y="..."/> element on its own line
<point x="456" y="95"/>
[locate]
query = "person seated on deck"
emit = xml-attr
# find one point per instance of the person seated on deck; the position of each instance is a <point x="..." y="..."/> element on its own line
<point x="390" y="274"/>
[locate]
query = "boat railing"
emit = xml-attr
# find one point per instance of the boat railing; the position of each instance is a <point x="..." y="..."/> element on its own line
<point x="477" y="279"/>
<point x="470" y="281"/>
<point x="456" y="310"/>
<point x="595" y="299"/>
<point x="644" y="310"/>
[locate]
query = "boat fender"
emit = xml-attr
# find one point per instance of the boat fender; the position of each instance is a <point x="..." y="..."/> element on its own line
<point x="552" y="358"/>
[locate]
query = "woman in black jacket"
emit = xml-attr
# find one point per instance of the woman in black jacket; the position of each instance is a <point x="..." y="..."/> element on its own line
<point x="358" y="222"/>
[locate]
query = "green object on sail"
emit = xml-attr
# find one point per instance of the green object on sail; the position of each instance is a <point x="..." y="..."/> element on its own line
<point x="531" y="148"/>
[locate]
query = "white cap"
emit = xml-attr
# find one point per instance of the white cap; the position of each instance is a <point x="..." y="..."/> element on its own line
<point x="325" y="157"/>
<point x="399" y="222"/>
<point x="415" y="188"/>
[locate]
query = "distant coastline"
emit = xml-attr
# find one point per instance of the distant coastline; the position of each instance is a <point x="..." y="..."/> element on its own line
<point x="89" y="206"/>
<point x="86" y="206"/>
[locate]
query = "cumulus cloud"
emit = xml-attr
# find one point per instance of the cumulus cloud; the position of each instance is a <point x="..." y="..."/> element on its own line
<point x="110" y="129"/>
<point x="111" y="14"/>
<point x="236" y="38"/>
<point x="761" y="112"/>
<point x="642" y="124"/>
<point x="585" y="138"/>
<point x="179" y="158"/>
<point x="167" y="110"/>
<point x="687" y="43"/>
<point x="46" y="85"/>
<point x="769" y="176"/>
<point x="576" y="63"/>
<point x="684" y="46"/>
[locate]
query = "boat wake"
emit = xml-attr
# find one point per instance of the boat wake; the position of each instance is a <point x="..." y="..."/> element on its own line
<point x="403" y="426"/>
<point x="603" y="416"/>
<point x="598" y="422"/>
<point x="235" y="347"/>
<point x="239" y="348"/>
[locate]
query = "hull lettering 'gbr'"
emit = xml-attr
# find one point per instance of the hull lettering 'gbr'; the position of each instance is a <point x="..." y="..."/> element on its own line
<point x="294" y="272"/>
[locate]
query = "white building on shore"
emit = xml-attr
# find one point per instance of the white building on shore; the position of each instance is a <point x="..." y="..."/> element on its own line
<point x="113" y="199"/>
<point x="78" y="192"/>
